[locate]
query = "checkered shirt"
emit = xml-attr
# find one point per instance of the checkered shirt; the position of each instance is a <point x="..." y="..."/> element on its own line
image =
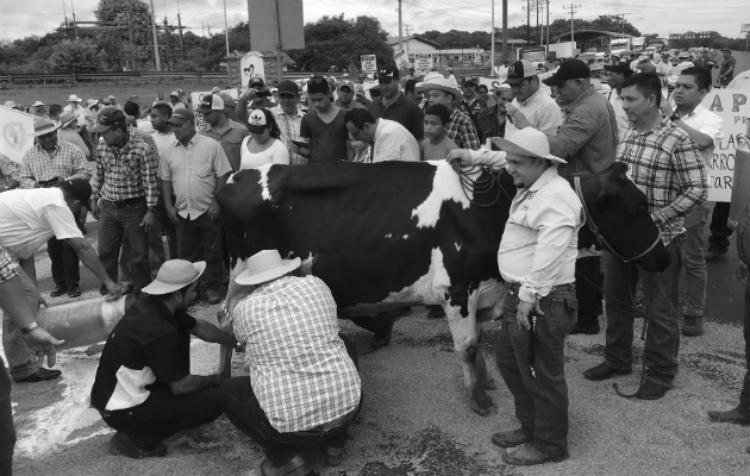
<point x="289" y="125"/>
<point x="299" y="369"/>
<point x="130" y="171"/>
<point x="461" y="129"/>
<point x="487" y="123"/>
<point x="8" y="268"/>
<point x="38" y="165"/>
<point x="666" y="165"/>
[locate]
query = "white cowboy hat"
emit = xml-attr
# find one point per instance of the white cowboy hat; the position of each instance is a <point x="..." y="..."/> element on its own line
<point x="74" y="98"/>
<point x="44" y="126"/>
<point x="264" y="266"/>
<point x="174" y="275"/>
<point x="38" y="103"/>
<point x="440" y="83"/>
<point x="528" y="142"/>
<point x="66" y="118"/>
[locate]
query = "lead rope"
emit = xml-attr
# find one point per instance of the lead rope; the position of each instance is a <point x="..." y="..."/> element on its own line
<point x="481" y="185"/>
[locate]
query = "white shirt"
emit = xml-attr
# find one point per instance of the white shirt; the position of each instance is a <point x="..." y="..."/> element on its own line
<point x="30" y="217"/>
<point x="541" y="111"/>
<point x="394" y="142"/>
<point x="276" y="153"/>
<point x="164" y="141"/>
<point x="623" y="123"/>
<point x="706" y="122"/>
<point x="539" y="246"/>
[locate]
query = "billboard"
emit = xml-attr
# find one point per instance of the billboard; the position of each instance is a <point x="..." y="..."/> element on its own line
<point x="276" y="24"/>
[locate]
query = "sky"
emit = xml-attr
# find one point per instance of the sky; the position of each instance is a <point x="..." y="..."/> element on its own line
<point x="37" y="17"/>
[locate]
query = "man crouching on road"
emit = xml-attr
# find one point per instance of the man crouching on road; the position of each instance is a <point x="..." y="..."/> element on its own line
<point x="143" y="386"/>
<point x="303" y="387"/>
<point x="537" y="262"/>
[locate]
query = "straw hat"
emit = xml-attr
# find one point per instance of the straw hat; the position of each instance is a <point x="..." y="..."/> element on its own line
<point x="66" y="118"/>
<point x="174" y="275"/>
<point x="43" y="126"/>
<point x="528" y="142"/>
<point x="440" y="83"/>
<point x="264" y="266"/>
<point x="74" y="98"/>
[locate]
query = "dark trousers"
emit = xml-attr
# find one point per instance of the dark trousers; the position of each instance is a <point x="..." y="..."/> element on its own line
<point x="541" y="401"/>
<point x="65" y="268"/>
<point x="720" y="232"/>
<point x="198" y="240"/>
<point x="589" y="282"/>
<point x="661" y="292"/>
<point x="7" y="430"/>
<point x="243" y="410"/>
<point x="163" y="414"/>
<point x="745" y="394"/>
<point x="123" y="222"/>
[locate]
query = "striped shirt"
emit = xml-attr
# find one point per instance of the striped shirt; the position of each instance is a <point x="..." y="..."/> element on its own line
<point x="8" y="268"/>
<point x="299" y="369"/>
<point x="461" y="129"/>
<point x="666" y="165"/>
<point x="289" y="125"/>
<point x="128" y="171"/>
<point x="66" y="162"/>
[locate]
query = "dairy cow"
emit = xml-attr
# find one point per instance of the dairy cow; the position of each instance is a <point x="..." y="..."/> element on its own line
<point x="392" y="234"/>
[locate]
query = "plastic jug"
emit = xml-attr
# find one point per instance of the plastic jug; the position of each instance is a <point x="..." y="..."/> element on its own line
<point x="86" y="322"/>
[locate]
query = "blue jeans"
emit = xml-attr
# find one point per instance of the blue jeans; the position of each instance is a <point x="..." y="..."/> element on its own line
<point x="542" y="401"/>
<point x="695" y="261"/>
<point x="198" y="240"/>
<point x="661" y="292"/>
<point x="118" y="222"/>
<point x="21" y="358"/>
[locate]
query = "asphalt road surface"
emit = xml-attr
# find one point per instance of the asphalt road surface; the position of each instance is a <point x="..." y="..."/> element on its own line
<point x="416" y="418"/>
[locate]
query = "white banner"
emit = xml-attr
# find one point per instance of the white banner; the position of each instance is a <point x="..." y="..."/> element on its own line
<point x="16" y="133"/>
<point x="733" y="107"/>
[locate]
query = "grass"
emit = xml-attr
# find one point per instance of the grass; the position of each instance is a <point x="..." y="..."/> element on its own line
<point x="147" y="91"/>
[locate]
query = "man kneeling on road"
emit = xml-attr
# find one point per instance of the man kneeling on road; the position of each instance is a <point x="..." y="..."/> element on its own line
<point x="536" y="258"/>
<point x="303" y="387"/>
<point x="28" y="219"/>
<point x="143" y="386"/>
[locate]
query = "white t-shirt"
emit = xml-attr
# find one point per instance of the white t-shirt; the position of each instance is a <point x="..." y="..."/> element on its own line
<point x="30" y="217"/>
<point x="277" y="153"/>
<point x="163" y="140"/>
<point x="394" y="142"/>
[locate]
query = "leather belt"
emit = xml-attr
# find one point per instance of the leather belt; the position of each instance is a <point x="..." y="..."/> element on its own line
<point x="126" y="202"/>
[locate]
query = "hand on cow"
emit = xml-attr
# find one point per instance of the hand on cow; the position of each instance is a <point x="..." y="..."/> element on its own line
<point x="462" y="156"/>
<point x="213" y="211"/>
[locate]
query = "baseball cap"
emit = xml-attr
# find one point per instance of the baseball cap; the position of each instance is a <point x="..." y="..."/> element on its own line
<point x="470" y="81"/>
<point x="79" y="189"/>
<point x="347" y="84"/>
<point x="622" y="68"/>
<point x="109" y="117"/>
<point x="288" y="87"/>
<point x="257" y="121"/>
<point x="519" y="70"/>
<point x="257" y="83"/>
<point x="569" y="69"/>
<point x="388" y="73"/>
<point x="211" y="102"/>
<point x="181" y="116"/>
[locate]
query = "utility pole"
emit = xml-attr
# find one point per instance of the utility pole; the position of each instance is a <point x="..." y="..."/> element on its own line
<point x="536" y="4"/>
<point x="621" y="16"/>
<point x="226" y="27"/>
<point x="505" y="30"/>
<point x="547" y="27"/>
<point x="492" y="40"/>
<point x="400" y="33"/>
<point x="157" y="60"/>
<point x="528" y="21"/>
<point x="572" y="10"/>
<point x="406" y="45"/>
<point x="179" y="26"/>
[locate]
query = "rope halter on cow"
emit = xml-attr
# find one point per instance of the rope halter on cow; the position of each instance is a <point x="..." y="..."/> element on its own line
<point x="600" y="238"/>
<point x="481" y="185"/>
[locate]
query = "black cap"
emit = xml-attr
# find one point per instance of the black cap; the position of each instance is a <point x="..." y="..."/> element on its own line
<point x="569" y="69"/>
<point x="388" y="72"/>
<point x="78" y="188"/>
<point x="107" y="118"/>
<point x="622" y="68"/>
<point x="470" y="81"/>
<point x="257" y="83"/>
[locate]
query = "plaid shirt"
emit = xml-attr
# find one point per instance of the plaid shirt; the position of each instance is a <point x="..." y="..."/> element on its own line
<point x="38" y="165"/>
<point x="289" y="125"/>
<point x="8" y="268"/>
<point x="488" y="124"/>
<point x="461" y="129"/>
<point x="299" y="369"/>
<point x="666" y="165"/>
<point x="129" y="171"/>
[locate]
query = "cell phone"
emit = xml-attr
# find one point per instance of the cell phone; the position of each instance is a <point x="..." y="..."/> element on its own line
<point x="300" y="143"/>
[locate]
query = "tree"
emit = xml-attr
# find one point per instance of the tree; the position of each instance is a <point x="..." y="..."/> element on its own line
<point x="336" y="41"/>
<point x="128" y="46"/>
<point x="75" y="56"/>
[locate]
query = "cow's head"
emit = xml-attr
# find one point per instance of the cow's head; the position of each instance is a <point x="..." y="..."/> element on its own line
<point x="620" y="213"/>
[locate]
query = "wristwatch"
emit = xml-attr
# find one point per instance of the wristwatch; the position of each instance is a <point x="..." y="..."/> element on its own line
<point x="32" y="326"/>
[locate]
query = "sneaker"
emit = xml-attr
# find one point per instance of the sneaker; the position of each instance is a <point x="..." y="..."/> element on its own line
<point x="122" y="445"/>
<point x="509" y="439"/>
<point x="58" y="291"/>
<point x="735" y="415"/>
<point x="74" y="291"/>
<point x="651" y="390"/>
<point x="39" y="376"/>
<point x="693" y="326"/>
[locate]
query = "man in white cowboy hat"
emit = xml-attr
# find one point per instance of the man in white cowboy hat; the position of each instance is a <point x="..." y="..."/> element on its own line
<point x="49" y="163"/>
<point x="68" y="132"/>
<point x="289" y="325"/>
<point x="39" y="109"/>
<point x="439" y="90"/>
<point x="74" y="106"/>
<point x="536" y="259"/>
<point x="143" y="387"/>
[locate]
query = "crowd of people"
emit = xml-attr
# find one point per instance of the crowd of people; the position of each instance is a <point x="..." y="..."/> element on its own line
<point x="151" y="180"/>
